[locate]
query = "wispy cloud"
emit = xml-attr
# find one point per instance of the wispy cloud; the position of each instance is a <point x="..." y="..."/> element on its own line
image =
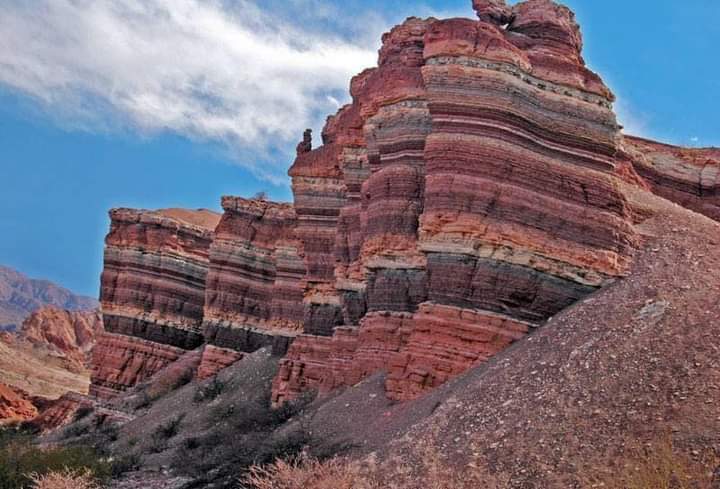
<point x="210" y="70"/>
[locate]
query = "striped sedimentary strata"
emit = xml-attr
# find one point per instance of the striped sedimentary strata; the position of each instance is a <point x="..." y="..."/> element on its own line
<point x="687" y="176"/>
<point x="470" y="191"/>
<point x="489" y="200"/>
<point x="396" y="125"/>
<point x="522" y="216"/>
<point x="254" y="291"/>
<point x="372" y="160"/>
<point x="152" y="293"/>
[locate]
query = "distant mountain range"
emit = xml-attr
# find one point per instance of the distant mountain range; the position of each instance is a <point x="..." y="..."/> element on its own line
<point x="21" y="295"/>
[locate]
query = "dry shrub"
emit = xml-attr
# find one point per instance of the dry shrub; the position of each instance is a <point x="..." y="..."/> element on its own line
<point x="306" y="473"/>
<point x="427" y="471"/>
<point x="64" y="480"/>
<point x="661" y="466"/>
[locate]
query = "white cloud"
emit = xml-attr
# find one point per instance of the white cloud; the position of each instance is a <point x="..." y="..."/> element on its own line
<point x="209" y="70"/>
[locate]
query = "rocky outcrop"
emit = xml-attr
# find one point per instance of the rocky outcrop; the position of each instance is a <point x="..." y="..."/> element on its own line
<point x="62" y="411"/>
<point x="20" y="296"/>
<point x="67" y="334"/>
<point x="687" y="176"/>
<point x="15" y="405"/>
<point x="122" y="361"/>
<point x="50" y="355"/>
<point x="152" y="293"/>
<point x="477" y="219"/>
<point x="153" y="281"/>
<point x="254" y="294"/>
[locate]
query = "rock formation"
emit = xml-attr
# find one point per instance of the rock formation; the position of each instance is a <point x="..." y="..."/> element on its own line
<point x="689" y="177"/>
<point x="471" y="190"/>
<point x="68" y="334"/>
<point x="15" y="405"/>
<point x="477" y="219"/>
<point x="48" y="357"/>
<point x="253" y="296"/>
<point x="152" y="293"/>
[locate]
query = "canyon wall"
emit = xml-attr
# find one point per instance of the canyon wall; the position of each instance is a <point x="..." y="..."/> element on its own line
<point x="471" y="190"/>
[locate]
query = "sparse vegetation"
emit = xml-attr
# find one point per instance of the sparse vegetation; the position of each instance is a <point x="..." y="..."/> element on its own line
<point x="22" y="462"/>
<point x="249" y="433"/>
<point x="171" y="428"/>
<point x="427" y="471"/>
<point x="83" y="412"/>
<point x="164" y="432"/>
<point x="64" y="480"/>
<point x="654" y="467"/>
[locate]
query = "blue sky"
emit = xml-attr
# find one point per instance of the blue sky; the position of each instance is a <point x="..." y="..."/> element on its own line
<point x="177" y="102"/>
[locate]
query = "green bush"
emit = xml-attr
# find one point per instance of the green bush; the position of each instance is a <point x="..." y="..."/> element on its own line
<point x="19" y="458"/>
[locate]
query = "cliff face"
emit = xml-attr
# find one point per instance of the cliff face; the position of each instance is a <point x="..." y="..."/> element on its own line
<point x="152" y="293"/>
<point x="253" y="296"/>
<point x="470" y="191"/>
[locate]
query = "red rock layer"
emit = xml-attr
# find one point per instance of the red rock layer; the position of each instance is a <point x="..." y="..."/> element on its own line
<point x="122" y="361"/>
<point x="689" y="177"/>
<point x="444" y="342"/>
<point x="70" y="334"/>
<point x="152" y="293"/>
<point x="15" y="405"/>
<point x="215" y="359"/>
<point x="61" y="411"/>
<point x="254" y="293"/>
<point x="351" y="354"/>
<point x="153" y="281"/>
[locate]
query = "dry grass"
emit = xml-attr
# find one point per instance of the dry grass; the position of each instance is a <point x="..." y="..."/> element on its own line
<point x="306" y="473"/>
<point x="428" y="471"/>
<point x="661" y="466"/>
<point x="64" y="480"/>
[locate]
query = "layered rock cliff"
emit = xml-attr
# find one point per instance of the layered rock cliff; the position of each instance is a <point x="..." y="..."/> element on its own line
<point x="152" y="293"/>
<point x="687" y="176"/>
<point x="471" y="190"/>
